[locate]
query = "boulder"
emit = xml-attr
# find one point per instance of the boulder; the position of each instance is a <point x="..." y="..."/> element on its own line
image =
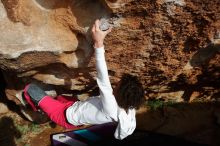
<point x="163" y="42"/>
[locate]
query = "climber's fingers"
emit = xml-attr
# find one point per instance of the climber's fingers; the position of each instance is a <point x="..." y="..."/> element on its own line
<point x="108" y="31"/>
<point x="97" y="24"/>
<point x="93" y="28"/>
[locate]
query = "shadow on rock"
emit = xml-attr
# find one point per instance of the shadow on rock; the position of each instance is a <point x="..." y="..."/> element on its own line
<point x="10" y="104"/>
<point x="200" y="79"/>
<point x="204" y="55"/>
<point x="8" y="132"/>
<point x="207" y="84"/>
<point x="195" y="122"/>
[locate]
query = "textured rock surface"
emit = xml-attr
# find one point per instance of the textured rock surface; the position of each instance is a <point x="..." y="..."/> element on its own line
<point x="173" y="45"/>
<point x="46" y="41"/>
<point x="3" y="108"/>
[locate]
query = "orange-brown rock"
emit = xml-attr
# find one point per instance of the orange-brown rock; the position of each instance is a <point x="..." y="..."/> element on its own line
<point x="172" y="45"/>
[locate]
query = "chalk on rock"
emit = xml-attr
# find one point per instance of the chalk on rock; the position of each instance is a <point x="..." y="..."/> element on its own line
<point x="104" y="24"/>
<point x="217" y="34"/>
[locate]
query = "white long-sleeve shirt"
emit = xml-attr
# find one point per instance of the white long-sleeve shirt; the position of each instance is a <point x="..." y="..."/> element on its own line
<point x="104" y="108"/>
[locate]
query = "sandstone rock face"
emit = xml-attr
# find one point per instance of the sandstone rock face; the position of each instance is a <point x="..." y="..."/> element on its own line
<point x="172" y="45"/>
<point x="39" y="34"/>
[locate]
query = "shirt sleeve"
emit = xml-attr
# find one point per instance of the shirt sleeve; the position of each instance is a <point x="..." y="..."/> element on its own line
<point x="106" y="93"/>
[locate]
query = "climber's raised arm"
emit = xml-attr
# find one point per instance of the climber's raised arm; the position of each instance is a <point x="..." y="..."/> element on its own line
<point x="106" y="92"/>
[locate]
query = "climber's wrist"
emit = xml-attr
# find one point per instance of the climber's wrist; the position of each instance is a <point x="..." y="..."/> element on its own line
<point x="98" y="44"/>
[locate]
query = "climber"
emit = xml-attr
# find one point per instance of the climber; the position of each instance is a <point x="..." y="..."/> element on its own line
<point x="117" y="106"/>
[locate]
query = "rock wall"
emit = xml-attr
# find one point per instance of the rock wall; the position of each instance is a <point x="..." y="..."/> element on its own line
<point x="47" y="42"/>
<point x="172" y="45"/>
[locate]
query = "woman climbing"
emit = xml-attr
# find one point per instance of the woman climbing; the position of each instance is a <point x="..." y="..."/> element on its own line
<point x="111" y="106"/>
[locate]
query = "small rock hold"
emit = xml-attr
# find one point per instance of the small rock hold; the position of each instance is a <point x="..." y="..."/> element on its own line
<point x="217" y="35"/>
<point x="3" y="108"/>
<point x="177" y="2"/>
<point x="104" y="24"/>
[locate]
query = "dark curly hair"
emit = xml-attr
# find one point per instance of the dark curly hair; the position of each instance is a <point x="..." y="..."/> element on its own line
<point x="129" y="92"/>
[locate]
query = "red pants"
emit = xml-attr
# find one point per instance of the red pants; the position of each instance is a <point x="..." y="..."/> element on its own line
<point x="56" y="109"/>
